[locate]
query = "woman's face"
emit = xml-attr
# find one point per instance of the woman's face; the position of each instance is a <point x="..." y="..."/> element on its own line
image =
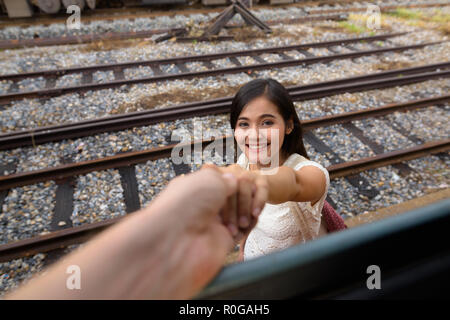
<point x="260" y="131"/>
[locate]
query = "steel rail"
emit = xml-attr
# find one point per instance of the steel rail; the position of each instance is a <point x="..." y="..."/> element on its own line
<point x="368" y="85"/>
<point x="46" y="93"/>
<point x="217" y="106"/>
<point x="184" y="59"/>
<point x="383" y="8"/>
<point x="372" y="112"/>
<point x="381" y="160"/>
<point x="131" y="158"/>
<point x="62" y="238"/>
<point x="54" y="240"/>
<point x="66" y="40"/>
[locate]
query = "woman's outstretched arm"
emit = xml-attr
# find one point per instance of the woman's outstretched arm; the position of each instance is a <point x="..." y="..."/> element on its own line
<point x="307" y="184"/>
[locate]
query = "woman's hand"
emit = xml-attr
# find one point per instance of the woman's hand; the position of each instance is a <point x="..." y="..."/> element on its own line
<point x="243" y="208"/>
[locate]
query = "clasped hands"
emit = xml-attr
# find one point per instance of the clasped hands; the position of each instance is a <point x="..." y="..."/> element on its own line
<point x="242" y="208"/>
<point x="172" y="248"/>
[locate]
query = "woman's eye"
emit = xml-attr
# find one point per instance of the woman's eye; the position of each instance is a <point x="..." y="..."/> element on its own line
<point x="267" y="123"/>
<point x="243" y="124"/>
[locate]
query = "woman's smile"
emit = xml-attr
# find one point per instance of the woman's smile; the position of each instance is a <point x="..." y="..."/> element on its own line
<point x="256" y="148"/>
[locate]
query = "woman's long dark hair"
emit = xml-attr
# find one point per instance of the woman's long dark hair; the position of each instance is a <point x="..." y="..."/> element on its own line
<point x="279" y="96"/>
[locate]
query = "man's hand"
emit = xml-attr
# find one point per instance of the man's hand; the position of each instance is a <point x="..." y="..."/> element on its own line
<point x="169" y="250"/>
<point x="242" y="209"/>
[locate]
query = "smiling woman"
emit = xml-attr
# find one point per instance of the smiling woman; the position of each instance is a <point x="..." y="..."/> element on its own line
<point x="269" y="134"/>
<point x="275" y="111"/>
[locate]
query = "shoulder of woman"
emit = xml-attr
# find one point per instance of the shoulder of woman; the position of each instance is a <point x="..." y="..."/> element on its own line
<point x="300" y="162"/>
<point x="311" y="177"/>
<point x="294" y="160"/>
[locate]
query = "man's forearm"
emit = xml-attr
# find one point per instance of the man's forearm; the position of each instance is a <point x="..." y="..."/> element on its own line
<point x="169" y="250"/>
<point x="108" y="269"/>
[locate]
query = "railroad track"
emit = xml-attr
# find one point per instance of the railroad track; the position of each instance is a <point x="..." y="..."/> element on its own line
<point x="132" y="158"/>
<point x="312" y="15"/>
<point x="64" y="174"/>
<point x="63" y="235"/>
<point x="181" y="63"/>
<point x="114" y="36"/>
<point x="55" y="133"/>
<point x="66" y="40"/>
<point x="136" y="13"/>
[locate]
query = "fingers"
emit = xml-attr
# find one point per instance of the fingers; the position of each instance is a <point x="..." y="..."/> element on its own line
<point x="261" y="196"/>
<point x="232" y="224"/>
<point x="228" y="178"/>
<point x="236" y="213"/>
<point x="210" y="166"/>
<point x="246" y="194"/>
<point x="237" y="210"/>
<point x="231" y="183"/>
<point x="244" y="203"/>
<point x="229" y="214"/>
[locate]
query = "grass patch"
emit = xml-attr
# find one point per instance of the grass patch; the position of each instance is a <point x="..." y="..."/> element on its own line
<point x="437" y="16"/>
<point x="391" y="65"/>
<point x="350" y="27"/>
<point x="357" y="23"/>
<point x="252" y="33"/>
<point x="436" y="20"/>
<point x="405" y="14"/>
<point x="441" y="18"/>
<point x="445" y="29"/>
<point x="107" y="45"/>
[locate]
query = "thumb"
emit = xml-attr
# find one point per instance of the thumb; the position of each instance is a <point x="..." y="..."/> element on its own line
<point x="230" y="183"/>
<point x="210" y="166"/>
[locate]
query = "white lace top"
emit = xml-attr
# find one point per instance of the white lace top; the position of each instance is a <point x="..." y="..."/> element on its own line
<point x="283" y="225"/>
